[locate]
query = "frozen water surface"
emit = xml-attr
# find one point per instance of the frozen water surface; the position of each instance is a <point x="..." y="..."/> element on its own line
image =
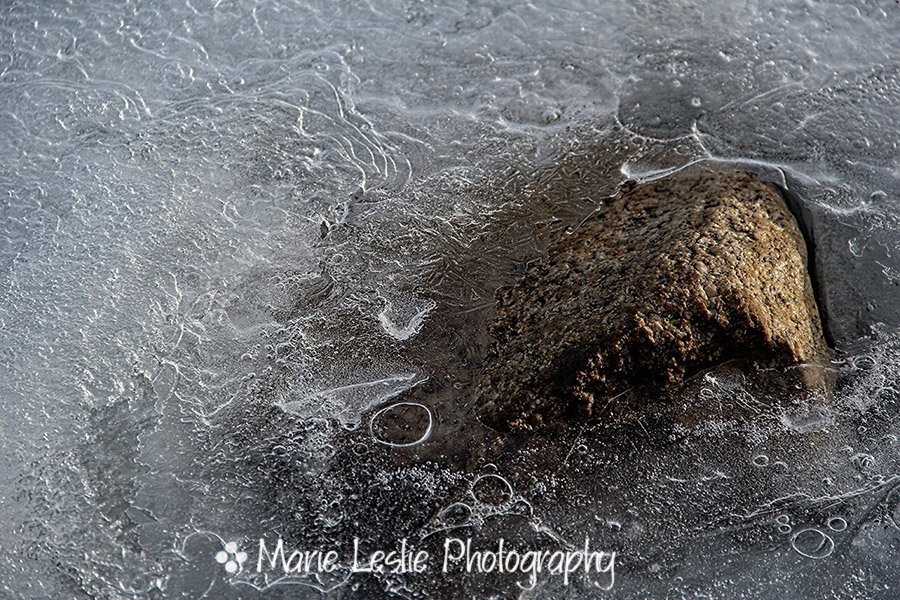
<point x="249" y="250"/>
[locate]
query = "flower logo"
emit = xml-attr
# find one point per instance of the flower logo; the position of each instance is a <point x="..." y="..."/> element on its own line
<point x="231" y="557"/>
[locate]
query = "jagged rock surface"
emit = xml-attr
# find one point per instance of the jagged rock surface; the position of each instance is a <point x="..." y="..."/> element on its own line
<point x="670" y="278"/>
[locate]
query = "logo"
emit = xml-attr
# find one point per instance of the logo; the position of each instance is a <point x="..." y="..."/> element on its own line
<point x="232" y="558"/>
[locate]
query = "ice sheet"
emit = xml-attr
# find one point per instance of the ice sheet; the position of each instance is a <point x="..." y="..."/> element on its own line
<point x="249" y="250"/>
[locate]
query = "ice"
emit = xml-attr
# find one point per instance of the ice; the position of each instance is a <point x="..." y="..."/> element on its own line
<point x="249" y="251"/>
<point x="413" y="322"/>
<point x="351" y="399"/>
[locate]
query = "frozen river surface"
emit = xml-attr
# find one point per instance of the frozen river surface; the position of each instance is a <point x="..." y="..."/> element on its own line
<point x="249" y="250"/>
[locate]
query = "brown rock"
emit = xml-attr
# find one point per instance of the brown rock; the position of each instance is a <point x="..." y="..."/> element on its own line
<point x="670" y="278"/>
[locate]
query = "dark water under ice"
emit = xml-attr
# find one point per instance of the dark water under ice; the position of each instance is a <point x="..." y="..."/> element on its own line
<point x="249" y="250"/>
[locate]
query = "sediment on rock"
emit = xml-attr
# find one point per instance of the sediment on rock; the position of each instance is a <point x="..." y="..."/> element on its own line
<point x="668" y="279"/>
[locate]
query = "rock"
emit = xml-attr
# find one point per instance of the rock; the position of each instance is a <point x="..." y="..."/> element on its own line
<point x="668" y="279"/>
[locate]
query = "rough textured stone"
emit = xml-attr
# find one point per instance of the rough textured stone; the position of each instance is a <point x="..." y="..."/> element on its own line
<point x="668" y="279"/>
